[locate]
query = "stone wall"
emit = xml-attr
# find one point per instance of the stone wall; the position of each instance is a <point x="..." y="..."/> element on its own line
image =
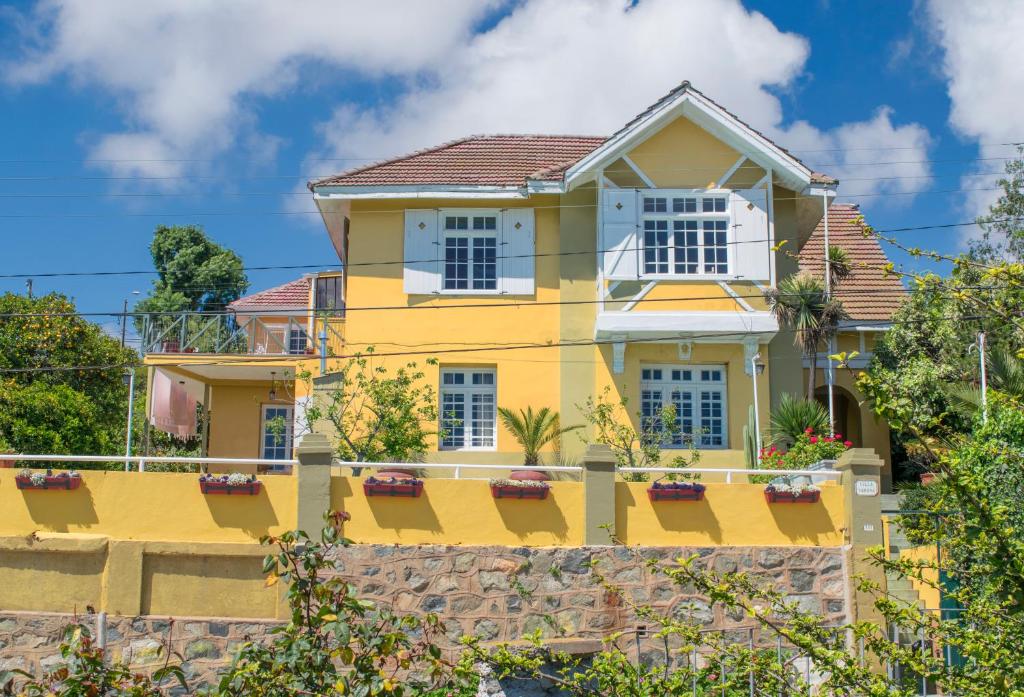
<point x="496" y="593"/>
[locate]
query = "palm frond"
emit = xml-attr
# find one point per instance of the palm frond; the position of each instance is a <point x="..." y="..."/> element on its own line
<point x="794" y="416"/>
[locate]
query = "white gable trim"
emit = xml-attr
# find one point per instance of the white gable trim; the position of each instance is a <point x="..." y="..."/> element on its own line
<point x="639" y="172"/>
<point x="713" y="119"/>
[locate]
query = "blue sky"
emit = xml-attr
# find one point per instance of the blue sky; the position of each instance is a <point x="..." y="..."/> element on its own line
<point x="121" y="116"/>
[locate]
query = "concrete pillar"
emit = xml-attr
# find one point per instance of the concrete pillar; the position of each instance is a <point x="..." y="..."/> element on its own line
<point x="313" y="485"/>
<point x="861" y="482"/>
<point x="598" y="495"/>
<point x="122" y="578"/>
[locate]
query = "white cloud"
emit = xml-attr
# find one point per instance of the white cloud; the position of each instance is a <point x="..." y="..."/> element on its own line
<point x="983" y="55"/>
<point x="187" y="75"/>
<point x="579" y="66"/>
<point x="181" y="71"/>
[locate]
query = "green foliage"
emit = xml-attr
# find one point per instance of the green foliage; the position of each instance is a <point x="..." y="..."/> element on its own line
<point x="79" y="411"/>
<point x="533" y="430"/>
<point x="807" y="449"/>
<point x="85" y="670"/>
<point x="793" y="416"/>
<point x="612" y="426"/>
<point x="194" y="273"/>
<point x="336" y="643"/>
<point x="376" y="415"/>
<point x="1002" y="228"/>
<point x="800" y="304"/>
<point x="750" y="439"/>
<point x="839" y="265"/>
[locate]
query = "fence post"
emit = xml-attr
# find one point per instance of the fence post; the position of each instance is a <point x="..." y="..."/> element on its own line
<point x="313" y="484"/>
<point x="598" y="495"/>
<point x="861" y="469"/>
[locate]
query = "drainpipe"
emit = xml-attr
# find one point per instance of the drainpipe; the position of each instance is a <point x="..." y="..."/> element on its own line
<point x="323" y="347"/>
<point x="128" y="434"/>
<point x="829" y="377"/>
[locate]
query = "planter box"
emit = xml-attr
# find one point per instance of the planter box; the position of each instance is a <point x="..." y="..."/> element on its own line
<point x="54" y="482"/>
<point x="787" y="497"/>
<point x="675" y="494"/>
<point x="247" y="489"/>
<point x="412" y="489"/>
<point x="519" y="492"/>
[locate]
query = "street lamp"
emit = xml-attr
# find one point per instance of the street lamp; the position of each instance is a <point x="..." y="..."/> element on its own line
<point x="755" y="370"/>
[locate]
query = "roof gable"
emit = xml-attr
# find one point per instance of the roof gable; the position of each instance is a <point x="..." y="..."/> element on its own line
<point x="288" y="296"/>
<point x="687" y="102"/>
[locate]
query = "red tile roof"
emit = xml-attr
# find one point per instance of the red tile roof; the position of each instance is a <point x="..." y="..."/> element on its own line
<point x="499" y="160"/>
<point x="868" y="294"/>
<point x="294" y="294"/>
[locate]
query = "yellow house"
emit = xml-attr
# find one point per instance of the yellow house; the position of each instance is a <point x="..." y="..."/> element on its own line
<point x="239" y="366"/>
<point x="541" y="270"/>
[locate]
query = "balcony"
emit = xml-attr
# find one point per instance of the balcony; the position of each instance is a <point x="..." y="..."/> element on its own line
<point x="228" y="333"/>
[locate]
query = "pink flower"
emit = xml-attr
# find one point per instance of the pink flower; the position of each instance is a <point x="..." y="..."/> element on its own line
<point x="808" y="430"/>
<point x="837" y="436"/>
<point x="814" y="439"/>
<point x="848" y="443"/>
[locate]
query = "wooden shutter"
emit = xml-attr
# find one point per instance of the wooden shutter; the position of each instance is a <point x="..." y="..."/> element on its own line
<point x="619" y="239"/>
<point x="752" y="251"/>
<point x="421" y="252"/>
<point x="518" y="237"/>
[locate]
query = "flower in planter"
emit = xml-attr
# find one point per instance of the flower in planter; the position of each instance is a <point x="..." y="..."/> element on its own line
<point x="392" y="480"/>
<point x="521" y="483"/>
<point x="794" y="489"/>
<point x="684" y="486"/>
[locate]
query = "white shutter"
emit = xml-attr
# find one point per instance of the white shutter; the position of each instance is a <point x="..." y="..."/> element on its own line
<point x="619" y="238"/>
<point x="518" y="237"/>
<point x="421" y="252"/>
<point x="752" y="251"/>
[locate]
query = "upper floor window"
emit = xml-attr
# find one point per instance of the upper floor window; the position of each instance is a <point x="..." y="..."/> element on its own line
<point x="685" y="234"/>
<point x="329" y="293"/>
<point x="699" y="396"/>
<point x="470" y="252"/>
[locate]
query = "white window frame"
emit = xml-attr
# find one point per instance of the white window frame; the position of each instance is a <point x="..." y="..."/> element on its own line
<point x="667" y="384"/>
<point x="467" y="389"/>
<point x="699" y="216"/>
<point x="288" y="435"/>
<point x="496" y="233"/>
<point x="298" y="340"/>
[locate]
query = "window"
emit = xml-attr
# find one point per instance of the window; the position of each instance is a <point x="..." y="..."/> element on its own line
<point x="329" y="293"/>
<point x="468" y="411"/>
<point x="470" y="252"/>
<point x="686" y="235"/>
<point x="276" y="432"/>
<point x="698" y="394"/>
<point x="297" y="340"/>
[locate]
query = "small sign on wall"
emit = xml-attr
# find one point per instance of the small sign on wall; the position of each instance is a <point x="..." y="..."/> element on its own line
<point x="866" y="487"/>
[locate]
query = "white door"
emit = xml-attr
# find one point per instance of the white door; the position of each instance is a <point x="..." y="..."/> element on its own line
<point x="276" y="432"/>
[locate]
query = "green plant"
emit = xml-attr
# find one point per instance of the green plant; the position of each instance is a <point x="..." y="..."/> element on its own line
<point x="804" y="452"/>
<point x="533" y="430"/>
<point x="800" y="304"/>
<point x="793" y="416"/>
<point x="641" y="448"/>
<point x="376" y="415"/>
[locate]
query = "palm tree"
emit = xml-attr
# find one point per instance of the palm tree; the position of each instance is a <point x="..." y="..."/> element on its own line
<point x="1005" y="374"/>
<point x="800" y="304"/>
<point x="793" y="416"/>
<point x="839" y="266"/>
<point x="533" y="430"/>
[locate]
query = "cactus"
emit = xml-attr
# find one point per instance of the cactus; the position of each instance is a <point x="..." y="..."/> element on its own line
<point x="750" y="453"/>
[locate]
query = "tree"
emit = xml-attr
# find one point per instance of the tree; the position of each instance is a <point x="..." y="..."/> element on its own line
<point x="792" y="417"/>
<point x="1002" y="237"/>
<point x="375" y="415"/>
<point x="800" y="304"/>
<point x="194" y="273"/>
<point x="65" y="389"/>
<point x="633" y="447"/>
<point x="533" y="430"/>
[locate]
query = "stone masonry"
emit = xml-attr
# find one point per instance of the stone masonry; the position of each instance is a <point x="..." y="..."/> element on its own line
<point x="496" y="593"/>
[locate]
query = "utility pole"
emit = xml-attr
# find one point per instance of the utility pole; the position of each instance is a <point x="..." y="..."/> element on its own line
<point x="124" y="321"/>
<point x="984" y="377"/>
<point x="28" y="286"/>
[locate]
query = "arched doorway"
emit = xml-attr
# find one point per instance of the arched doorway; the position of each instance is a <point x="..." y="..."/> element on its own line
<point x="847" y="411"/>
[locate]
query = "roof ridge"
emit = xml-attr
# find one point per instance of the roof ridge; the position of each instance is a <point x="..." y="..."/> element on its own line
<point x="250" y="296"/>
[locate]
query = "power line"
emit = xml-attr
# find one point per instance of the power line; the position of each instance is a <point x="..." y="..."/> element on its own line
<point x="296" y="267"/>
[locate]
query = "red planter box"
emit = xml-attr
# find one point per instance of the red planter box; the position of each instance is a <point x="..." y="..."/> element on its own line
<point x="54" y="482"/>
<point x="411" y="489"/>
<point x="675" y="494"/>
<point x="519" y="492"/>
<point x="247" y="489"/>
<point x="786" y="497"/>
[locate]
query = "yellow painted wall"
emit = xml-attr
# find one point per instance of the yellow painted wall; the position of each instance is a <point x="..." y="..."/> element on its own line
<point x="734" y="512"/>
<point x="237" y="417"/>
<point x="461" y="512"/>
<point x="740" y="389"/>
<point x="148" y="506"/>
<point x="928" y="593"/>
<point x="206" y="585"/>
<point x="683" y="155"/>
<point x="57" y="581"/>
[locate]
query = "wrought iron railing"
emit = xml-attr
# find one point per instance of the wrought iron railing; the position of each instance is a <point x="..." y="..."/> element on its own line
<point x="198" y="332"/>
